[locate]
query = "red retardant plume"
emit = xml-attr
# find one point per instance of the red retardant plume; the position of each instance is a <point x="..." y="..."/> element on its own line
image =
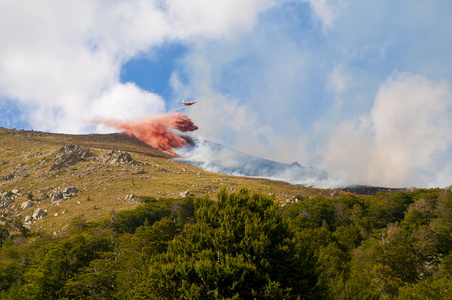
<point x="154" y="130"/>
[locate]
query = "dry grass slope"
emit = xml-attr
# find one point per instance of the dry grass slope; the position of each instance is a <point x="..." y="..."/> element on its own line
<point x="27" y="157"/>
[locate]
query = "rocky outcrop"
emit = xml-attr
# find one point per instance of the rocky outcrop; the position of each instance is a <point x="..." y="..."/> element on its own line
<point x="26" y="204"/>
<point x="56" y="198"/>
<point x="69" y="155"/>
<point x="43" y="196"/>
<point x="7" y="177"/>
<point x="290" y="201"/>
<point x="5" y="202"/>
<point x="115" y="157"/>
<point x="131" y="197"/>
<point x="186" y="194"/>
<point x="42" y="161"/>
<point x="38" y="214"/>
<point x="67" y="193"/>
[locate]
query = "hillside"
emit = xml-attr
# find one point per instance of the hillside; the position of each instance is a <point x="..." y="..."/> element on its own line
<point x="78" y="222"/>
<point x="68" y="176"/>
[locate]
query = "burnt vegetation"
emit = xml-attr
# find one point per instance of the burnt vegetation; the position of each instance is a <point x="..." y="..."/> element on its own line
<point x="241" y="246"/>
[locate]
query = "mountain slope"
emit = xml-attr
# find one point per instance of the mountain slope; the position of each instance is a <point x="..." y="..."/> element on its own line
<point x="68" y="176"/>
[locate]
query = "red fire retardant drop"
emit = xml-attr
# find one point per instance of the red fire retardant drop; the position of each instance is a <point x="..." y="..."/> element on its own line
<point x="154" y="130"/>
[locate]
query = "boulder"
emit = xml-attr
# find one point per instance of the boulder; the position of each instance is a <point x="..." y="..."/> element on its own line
<point x="186" y="194"/>
<point x="43" y="196"/>
<point x="28" y="219"/>
<point x="5" y="202"/>
<point x="57" y="198"/>
<point x="131" y="197"/>
<point x="69" y="192"/>
<point x="411" y="188"/>
<point x="38" y="214"/>
<point x="26" y="204"/>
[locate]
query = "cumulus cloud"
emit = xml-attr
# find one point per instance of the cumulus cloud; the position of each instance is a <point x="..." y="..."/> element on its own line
<point x="61" y="61"/>
<point x="405" y="140"/>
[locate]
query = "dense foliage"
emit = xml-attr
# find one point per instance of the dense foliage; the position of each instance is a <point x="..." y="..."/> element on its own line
<point x="241" y="246"/>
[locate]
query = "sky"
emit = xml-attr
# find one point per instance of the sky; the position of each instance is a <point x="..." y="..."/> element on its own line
<point x="359" y="88"/>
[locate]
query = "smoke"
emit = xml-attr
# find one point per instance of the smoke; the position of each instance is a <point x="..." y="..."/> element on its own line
<point x="405" y="140"/>
<point x="328" y="95"/>
<point x="217" y="158"/>
<point x="154" y="130"/>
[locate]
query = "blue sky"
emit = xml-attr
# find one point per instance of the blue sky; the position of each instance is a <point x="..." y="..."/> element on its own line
<point x="359" y="88"/>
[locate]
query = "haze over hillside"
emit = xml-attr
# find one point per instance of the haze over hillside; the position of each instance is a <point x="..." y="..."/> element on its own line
<point x="217" y="158"/>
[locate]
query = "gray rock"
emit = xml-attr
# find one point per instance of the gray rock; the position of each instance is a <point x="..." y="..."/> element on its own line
<point x="115" y="157"/>
<point x="5" y="202"/>
<point x="15" y="191"/>
<point x="42" y="161"/>
<point x="69" y="155"/>
<point x="43" y="196"/>
<point x="291" y="200"/>
<point x="7" y="177"/>
<point x="131" y="197"/>
<point x="69" y="192"/>
<point x="57" y="198"/>
<point x="38" y="214"/>
<point x="28" y="219"/>
<point x="26" y="204"/>
<point x="186" y="194"/>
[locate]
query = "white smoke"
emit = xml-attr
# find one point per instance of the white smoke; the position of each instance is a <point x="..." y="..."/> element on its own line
<point x="405" y="140"/>
<point x="220" y="159"/>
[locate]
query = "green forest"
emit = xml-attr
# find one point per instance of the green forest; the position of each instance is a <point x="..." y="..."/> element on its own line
<point x="241" y="246"/>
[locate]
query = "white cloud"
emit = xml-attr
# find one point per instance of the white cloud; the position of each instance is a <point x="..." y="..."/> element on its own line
<point x="339" y="79"/>
<point x="324" y="10"/>
<point x="60" y="59"/>
<point x="125" y="101"/>
<point x="404" y="141"/>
